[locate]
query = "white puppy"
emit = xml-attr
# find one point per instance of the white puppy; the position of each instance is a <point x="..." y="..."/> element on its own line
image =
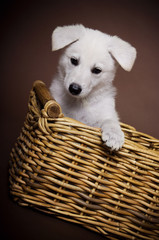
<point x="83" y="86"/>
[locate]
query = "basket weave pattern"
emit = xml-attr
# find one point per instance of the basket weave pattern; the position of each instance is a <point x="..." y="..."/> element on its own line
<point x="60" y="166"/>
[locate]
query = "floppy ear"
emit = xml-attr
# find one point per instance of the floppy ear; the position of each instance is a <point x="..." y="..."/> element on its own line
<point x="63" y="36"/>
<point x="123" y="52"/>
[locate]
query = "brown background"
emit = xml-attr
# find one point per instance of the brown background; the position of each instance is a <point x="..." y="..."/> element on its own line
<point x="25" y="50"/>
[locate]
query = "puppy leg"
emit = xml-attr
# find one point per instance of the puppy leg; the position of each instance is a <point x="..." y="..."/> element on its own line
<point x="112" y="134"/>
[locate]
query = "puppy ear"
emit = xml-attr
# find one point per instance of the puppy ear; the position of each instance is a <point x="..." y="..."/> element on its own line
<point x="63" y="36"/>
<point x="123" y="52"/>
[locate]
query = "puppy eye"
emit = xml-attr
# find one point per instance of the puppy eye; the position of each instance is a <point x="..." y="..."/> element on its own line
<point x="74" y="61"/>
<point x="96" y="70"/>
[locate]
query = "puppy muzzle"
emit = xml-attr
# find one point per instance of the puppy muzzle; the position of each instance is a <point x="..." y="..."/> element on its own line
<point x="75" y="89"/>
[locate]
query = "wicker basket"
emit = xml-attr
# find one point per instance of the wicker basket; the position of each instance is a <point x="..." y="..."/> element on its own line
<point x="60" y="166"/>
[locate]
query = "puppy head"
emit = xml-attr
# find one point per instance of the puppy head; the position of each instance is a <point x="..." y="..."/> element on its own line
<point x="90" y="58"/>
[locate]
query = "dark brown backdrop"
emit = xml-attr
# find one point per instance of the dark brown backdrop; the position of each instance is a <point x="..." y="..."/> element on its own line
<point x="25" y="50"/>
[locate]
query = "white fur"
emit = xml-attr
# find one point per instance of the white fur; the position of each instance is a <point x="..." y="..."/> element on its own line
<point x="95" y="105"/>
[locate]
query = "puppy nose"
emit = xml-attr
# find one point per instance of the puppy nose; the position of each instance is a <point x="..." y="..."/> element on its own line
<point x="75" y="89"/>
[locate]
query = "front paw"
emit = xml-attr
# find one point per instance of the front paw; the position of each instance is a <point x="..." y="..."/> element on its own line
<point x="113" y="137"/>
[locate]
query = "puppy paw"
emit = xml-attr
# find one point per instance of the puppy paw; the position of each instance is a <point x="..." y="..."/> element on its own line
<point x="113" y="137"/>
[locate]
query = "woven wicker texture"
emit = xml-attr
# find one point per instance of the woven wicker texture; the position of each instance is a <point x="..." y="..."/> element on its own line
<point x="60" y="166"/>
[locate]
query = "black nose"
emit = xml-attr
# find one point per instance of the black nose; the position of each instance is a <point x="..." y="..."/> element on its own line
<point x="75" y="89"/>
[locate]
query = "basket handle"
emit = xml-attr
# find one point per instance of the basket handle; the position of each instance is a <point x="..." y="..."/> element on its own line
<point x="51" y="107"/>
